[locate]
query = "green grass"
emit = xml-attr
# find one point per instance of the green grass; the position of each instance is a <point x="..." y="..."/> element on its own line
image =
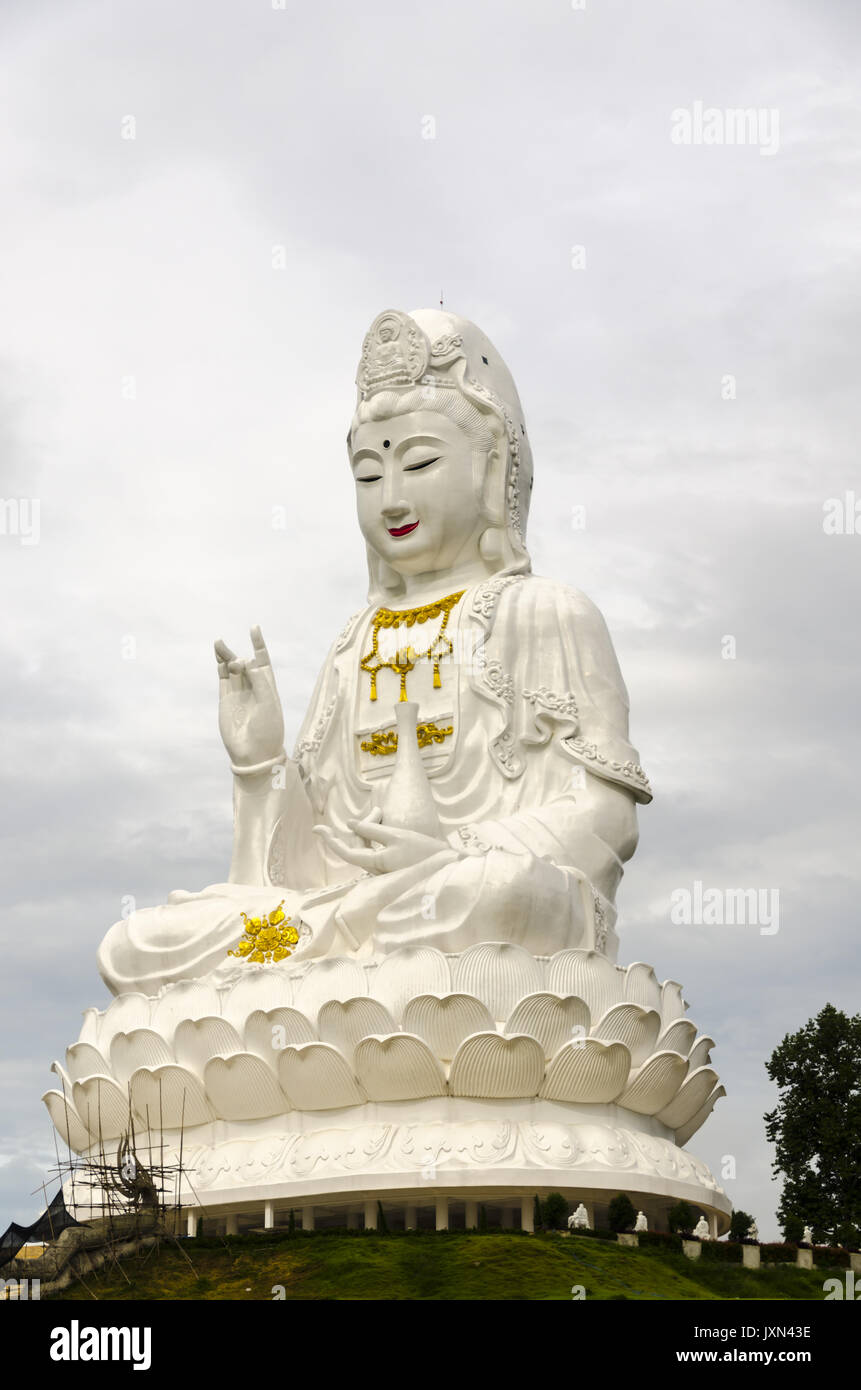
<point x="430" y="1267"/>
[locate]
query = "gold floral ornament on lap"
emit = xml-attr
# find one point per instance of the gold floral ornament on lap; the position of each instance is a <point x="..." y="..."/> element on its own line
<point x="267" y="938"/>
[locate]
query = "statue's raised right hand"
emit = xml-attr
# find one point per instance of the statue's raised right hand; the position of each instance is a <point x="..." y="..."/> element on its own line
<point x="249" y="710"/>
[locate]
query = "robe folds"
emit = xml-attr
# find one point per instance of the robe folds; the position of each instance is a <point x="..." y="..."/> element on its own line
<point x="533" y="775"/>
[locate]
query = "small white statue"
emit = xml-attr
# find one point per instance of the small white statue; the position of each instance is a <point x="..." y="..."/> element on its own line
<point x="641" y="1224"/>
<point x="579" y="1220"/>
<point x="753" y="1233"/>
<point x="807" y="1237"/>
<point x="701" y="1230"/>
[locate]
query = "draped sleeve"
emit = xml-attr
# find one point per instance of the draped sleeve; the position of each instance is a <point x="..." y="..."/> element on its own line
<point x="567" y="683"/>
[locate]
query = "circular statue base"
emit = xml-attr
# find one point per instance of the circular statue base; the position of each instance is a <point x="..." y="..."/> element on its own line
<point x="442" y="1157"/>
<point x="415" y="1081"/>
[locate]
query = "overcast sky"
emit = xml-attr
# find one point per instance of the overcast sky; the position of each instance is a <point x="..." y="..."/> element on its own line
<point x="182" y="314"/>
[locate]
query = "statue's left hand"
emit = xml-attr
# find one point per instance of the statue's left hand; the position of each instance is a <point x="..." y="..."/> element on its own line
<point x="249" y="710"/>
<point x="401" y="849"/>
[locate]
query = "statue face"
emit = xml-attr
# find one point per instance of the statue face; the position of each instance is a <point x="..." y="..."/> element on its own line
<point x="418" y="488"/>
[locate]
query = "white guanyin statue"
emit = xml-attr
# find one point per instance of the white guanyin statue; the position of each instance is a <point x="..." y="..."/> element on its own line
<point x="418" y="932"/>
<point x="523" y="716"/>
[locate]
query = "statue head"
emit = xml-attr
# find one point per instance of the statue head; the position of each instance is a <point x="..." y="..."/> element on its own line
<point x="439" y="452"/>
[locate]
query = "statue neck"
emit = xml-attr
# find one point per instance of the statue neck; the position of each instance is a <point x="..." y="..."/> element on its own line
<point x="425" y="588"/>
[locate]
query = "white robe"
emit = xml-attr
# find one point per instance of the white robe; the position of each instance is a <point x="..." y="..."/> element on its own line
<point x="535" y="789"/>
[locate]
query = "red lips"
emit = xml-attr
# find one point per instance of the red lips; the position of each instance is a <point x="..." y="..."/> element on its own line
<point x="402" y="530"/>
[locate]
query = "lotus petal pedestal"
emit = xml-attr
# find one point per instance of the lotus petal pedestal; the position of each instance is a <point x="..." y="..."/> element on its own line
<point x="428" y="1083"/>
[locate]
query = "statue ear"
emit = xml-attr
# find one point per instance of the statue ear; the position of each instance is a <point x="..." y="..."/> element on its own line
<point x="490" y="546"/>
<point x="493" y="490"/>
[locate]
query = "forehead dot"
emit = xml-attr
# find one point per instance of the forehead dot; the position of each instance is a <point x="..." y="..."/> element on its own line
<point x="387" y="443"/>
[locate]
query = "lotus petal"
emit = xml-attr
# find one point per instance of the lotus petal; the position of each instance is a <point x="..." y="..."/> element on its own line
<point x="409" y="972"/>
<point x="487" y="1065"/>
<point x="187" y="999"/>
<point x="67" y="1121"/>
<point x="315" y="1076"/>
<point x="589" y="1072"/>
<point x="91" y="1027"/>
<point x="684" y="1134"/>
<point x="169" y="1097"/>
<point x="445" y="1022"/>
<point x="701" y="1053"/>
<point x="102" y="1105"/>
<point x="632" y="1025"/>
<point x="242" y="1087"/>
<point x="673" y="1005"/>
<point x="589" y="976"/>
<point x="692" y="1096"/>
<point x="499" y="974"/>
<point x="83" y="1059"/>
<point x="63" y="1077"/>
<point x="642" y="987"/>
<point x="398" y="1067"/>
<point x="678" y="1037"/>
<point x="337" y="978"/>
<point x="123" y="1014"/>
<point x="140" y="1048"/>
<point x="264" y="987"/>
<point x="553" y="1021"/>
<point x="655" y="1083"/>
<point x="267" y="1034"/>
<point x="198" y="1039"/>
<point x="344" y="1024"/>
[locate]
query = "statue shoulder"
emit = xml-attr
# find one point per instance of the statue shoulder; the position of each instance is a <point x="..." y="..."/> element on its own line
<point x="549" y="606"/>
<point x="560" y="637"/>
<point x="348" y="631"/>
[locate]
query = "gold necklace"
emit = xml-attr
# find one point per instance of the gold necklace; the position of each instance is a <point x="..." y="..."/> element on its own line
<point x="405" y="659"/>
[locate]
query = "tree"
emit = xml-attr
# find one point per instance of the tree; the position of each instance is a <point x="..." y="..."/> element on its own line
<point x="555" y="1210"/>
<point x="537" y="1214"/>
<point x="792" y="1227"/>
<point x="620" y="1213"/>
<point x="816" y="1125"/>
<point x="739" y="1224"/>
<point x="681" y="1218"/>
<point x="848" y="1235"/>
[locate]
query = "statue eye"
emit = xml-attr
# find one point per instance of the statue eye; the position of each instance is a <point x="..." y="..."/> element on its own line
<point x="414" y="467"/>
<point x="375" y="479"/>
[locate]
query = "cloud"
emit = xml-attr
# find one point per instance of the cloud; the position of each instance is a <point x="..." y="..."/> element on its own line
<point x="166" y="387"/>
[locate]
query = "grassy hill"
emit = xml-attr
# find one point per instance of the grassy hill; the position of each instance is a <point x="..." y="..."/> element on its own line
<point x="427" y="1266"/>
